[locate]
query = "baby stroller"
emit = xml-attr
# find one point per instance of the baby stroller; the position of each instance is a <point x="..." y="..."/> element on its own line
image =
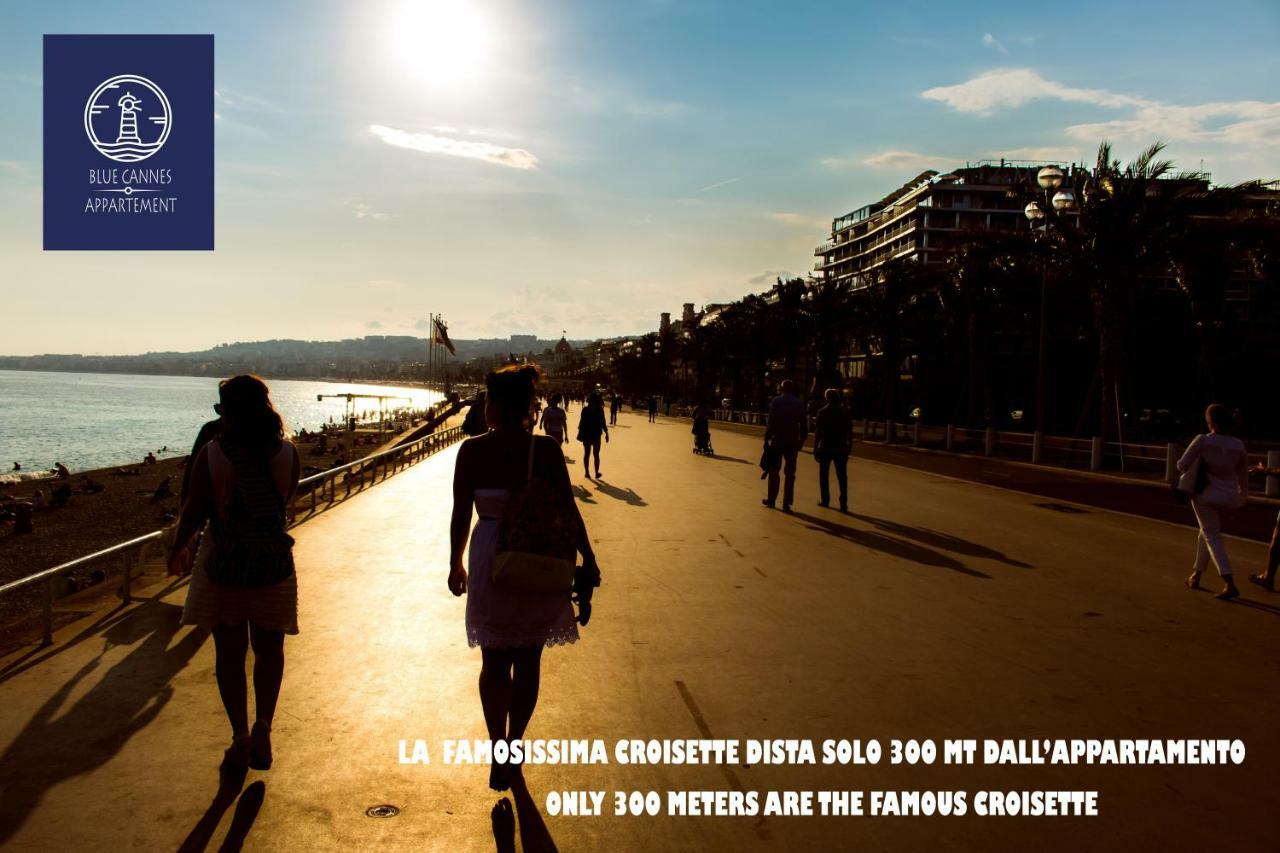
<point x="702" y="436"/>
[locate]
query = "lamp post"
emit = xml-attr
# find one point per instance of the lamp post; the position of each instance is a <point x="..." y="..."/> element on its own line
<point x="1058" y="200"/>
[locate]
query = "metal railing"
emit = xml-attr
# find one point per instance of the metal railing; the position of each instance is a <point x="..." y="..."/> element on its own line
<point x="1093" y="453"/>
<point x="313" y="492"/>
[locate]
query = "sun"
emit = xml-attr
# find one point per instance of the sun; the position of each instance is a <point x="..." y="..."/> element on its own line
<point x="442" y="43"/>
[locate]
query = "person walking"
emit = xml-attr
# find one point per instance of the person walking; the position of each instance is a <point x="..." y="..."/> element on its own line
<point x="509" y="624"/>
<point x="555" y="422"/>
<point x="653" y="409"/>
<point x="1226" y="478"/>
<point x="1267" y="579"/>
<point x="615" y="406"/>
<point x="784" y="435"/>
<point x="591" y="426"/>
<point x="832" y="444"/>
<point x="243" y="585"/>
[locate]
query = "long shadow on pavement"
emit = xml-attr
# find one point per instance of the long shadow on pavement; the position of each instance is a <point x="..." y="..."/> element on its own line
<point x="89" y="734"/>
<point x="230" y="784"/>
<point x="616" y="493"/>
<point x="936" y="539"/>
<point x="724" y="458"/>
<point x="888" y="545"/>
<point x="39" y="654"/>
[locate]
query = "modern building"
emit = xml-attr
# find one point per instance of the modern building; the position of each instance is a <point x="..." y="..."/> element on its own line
<point x="926" y="218"/>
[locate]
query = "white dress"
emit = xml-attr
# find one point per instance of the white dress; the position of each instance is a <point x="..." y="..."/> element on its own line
<point x="210" y="604"/>
<point x="503" y="618"/>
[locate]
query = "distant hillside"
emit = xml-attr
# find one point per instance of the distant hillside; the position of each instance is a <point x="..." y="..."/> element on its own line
<point x="373" y="356"/>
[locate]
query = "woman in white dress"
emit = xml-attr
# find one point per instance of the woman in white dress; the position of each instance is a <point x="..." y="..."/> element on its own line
<point x="243" y="588"/>
<point x="1227" y="488"/>
<point x="511" y="626"/>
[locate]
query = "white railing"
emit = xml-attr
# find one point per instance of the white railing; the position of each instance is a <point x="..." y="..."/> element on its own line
<point x="313" y="493"/>
<point x="1093" y="453"/>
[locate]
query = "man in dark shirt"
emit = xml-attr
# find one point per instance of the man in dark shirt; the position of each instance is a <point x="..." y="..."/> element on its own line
<point x="207" y="433"/>
<point x="784" y="435"/>
<point x="832" y="443"/>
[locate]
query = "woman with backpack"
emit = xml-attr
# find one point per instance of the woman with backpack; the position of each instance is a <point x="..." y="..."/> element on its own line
<point x="1221" y="466"/>
<point x="520" y="577"/>
<point x="243" y="587"/>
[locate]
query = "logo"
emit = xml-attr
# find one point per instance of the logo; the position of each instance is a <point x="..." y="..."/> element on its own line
<point x="124" y="126"/>
<point x="128" y="142"/>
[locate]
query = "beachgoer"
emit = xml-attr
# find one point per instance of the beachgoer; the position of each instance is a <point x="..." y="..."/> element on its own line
<point x="149" y="459"/>
<point x="615" y="406"/>
<point x="63" y="472"/>
<point x="591" y="426"/>
<point x="653" y="409"/>
<point x="1227" y="487"/>
<point x="555" y="422"/>
<point x="832" y="443"/>
<point x="243" y="586"/>
<point x="17" y="466"/>
<point x="511" y="626"/>
<point x="784" y="434"/>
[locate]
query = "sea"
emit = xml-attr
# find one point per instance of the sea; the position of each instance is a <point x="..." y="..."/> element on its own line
<point x="99" y="420"/>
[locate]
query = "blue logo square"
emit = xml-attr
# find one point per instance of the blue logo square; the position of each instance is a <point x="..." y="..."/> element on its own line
<point x="128" y="142"/>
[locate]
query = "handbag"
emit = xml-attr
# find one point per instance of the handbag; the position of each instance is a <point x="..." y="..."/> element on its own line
<point x="537" y="541"/>
<point x="1192" y="481"/>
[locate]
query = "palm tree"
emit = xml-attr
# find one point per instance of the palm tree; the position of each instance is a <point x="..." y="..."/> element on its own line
<point x="979" y="292"/>
<point x="1219" y="240"/>
<point x="1121" y="242"/>
<point x="883" y="322"/>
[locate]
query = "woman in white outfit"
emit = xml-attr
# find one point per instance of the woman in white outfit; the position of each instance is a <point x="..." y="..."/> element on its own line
<point x="1226" y="461"/>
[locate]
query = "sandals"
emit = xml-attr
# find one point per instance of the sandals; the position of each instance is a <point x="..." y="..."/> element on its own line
<point x="235" y="759"/>
<point x="1193" y="582"/>
<point x="1263" y="581"/>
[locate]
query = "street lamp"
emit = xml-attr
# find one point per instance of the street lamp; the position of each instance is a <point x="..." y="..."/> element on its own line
<point x="1050" y="179"/>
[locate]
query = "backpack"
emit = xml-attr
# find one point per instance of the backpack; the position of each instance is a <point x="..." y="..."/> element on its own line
<point x="250" y="545"/>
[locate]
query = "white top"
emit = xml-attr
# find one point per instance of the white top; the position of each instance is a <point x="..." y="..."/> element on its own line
<point x="1228" y="465"/>
<point x="554" y="420"/>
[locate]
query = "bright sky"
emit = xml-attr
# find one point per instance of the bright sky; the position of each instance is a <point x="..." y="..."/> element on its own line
<point x="532" y="167"/>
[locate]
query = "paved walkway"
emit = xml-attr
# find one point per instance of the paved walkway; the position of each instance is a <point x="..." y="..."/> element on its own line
<point x="938" y="608"/>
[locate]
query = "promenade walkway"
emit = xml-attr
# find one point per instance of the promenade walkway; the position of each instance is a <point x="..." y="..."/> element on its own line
<point x="937" y="608"/>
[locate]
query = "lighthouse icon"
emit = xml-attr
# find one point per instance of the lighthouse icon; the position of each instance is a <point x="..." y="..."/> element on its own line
<point x="128" y="118"/>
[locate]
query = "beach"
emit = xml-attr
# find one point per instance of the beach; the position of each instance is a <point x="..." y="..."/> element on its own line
<point x="123" y="508"/>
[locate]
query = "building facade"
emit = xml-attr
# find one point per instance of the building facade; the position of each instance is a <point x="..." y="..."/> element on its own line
<point x="927" y="218"/>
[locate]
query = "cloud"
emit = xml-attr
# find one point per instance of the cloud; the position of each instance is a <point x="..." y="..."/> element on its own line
<point x="991" y="41"/>
<point x="768" y="277"/>
<point x="718" y="184"/>
<point x="1045" y="154"/>
<point x="1245" y="130"/>
<point x="892" y="159"/>
<point x="798" y="219"/>
<point x="1248" y="123"/>
<point x="373" y="324"/>
<point x="1014" y="87"/>
<point x="363" y="210"/>
<point x="431" y="143"/>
